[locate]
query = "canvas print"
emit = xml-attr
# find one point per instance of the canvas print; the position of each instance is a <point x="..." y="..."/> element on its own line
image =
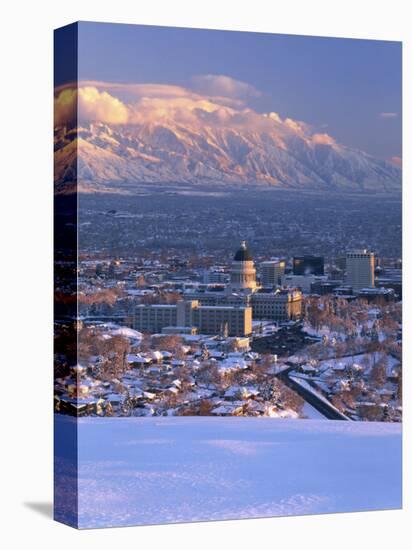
<point x="228" y="275"/>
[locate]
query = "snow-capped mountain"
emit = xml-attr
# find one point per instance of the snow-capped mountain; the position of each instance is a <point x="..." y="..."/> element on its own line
<point x="270" y="151"/>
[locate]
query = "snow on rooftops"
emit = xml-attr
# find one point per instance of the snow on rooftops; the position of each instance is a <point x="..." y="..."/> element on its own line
<point x="127" y="332"/>
<point x="137" y="358"/>
<point x="339" y="366"/>
<point x="139" y="292"/>
<point x="233" y="391"/>
<point x="248" y="391"/>
<point x="231" y="364"/>
<point x="225" y="409"/>
<point x="274" y="412"/>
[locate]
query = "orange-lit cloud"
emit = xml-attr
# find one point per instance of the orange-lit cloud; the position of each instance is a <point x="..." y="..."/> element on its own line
<point x="396" y="160"/>
<point x="90" y="104"/>
<point x="146" y="103"/>
<point x="323" y="139"/>
<point x="388" y="115"/>
<point x="127" y="103"/>
<point x="101" y="106"/>
<point x="297" y="126"/>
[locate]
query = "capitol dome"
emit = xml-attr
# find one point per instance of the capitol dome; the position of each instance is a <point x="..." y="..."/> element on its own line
<point x="243" y="254"/>
<point x="243" y="272"/>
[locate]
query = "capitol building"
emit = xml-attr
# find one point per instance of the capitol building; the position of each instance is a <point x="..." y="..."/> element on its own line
<point x="268" y="301"/>
<point x="228" y="307"/>
<point x="243" y="272"/>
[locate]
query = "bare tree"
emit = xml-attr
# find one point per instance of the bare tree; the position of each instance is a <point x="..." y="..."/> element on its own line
<point x="378" y="372"/>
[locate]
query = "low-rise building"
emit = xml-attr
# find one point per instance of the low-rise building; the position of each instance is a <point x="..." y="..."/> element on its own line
<point x="154" y="317"/>
<point x="216" y="319"/>
<point x="280" y="306"/>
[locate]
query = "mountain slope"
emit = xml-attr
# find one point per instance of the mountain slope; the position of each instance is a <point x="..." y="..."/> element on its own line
<point x="278" y="153"/>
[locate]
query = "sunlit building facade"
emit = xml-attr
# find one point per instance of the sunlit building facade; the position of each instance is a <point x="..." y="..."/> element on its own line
<point x="272" y="273"/>
<point x="211" y="319"/>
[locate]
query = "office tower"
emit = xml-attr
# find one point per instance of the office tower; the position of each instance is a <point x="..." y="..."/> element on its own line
<point x="272" y="273"/>
<point x="360" y="269"/>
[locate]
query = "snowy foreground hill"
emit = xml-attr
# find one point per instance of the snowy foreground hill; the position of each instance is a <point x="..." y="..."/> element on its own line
<point x="135" y="471"/>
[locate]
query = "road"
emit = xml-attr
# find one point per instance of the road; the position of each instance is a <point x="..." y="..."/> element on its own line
<point x="324" y="408"/>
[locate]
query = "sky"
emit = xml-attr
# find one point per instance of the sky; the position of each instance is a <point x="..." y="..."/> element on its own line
<point x="349" y="89"/>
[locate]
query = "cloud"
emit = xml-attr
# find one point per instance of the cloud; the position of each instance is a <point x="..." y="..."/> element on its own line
<point x="297" y="126"/>
<point x="101" y="106"/>
<point x="113" y="103"/>
<point x="323" y="139"/>
<point x="388" y="115"/>
<point x="91" y="105"/>
<point x="396" y="160"/>
<point x="274" y="116"/>
<point x="223" y="87"/>
<point x="147" y="103"/>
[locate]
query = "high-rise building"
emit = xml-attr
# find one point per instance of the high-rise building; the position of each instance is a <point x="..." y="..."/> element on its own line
<point x="308" y="265"/>
<point x="272" y="273"/>
<point x="242" y="271"/>
<point x="360" y="269"/>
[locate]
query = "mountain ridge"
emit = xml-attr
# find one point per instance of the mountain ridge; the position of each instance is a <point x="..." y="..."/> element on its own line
<point x="279" y="155"/>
